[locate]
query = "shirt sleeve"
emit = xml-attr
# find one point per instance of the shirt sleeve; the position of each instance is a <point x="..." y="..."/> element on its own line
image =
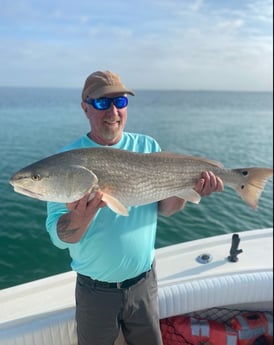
<point x="55" y="211"/>
<point x="149" y="144"/>
<point x="156" y="147"/>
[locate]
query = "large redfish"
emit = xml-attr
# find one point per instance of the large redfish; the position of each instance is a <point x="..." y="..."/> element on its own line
<point x="130" y="179"/>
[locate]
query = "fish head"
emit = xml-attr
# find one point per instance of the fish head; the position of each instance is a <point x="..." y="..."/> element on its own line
<point x="53" y="180"/>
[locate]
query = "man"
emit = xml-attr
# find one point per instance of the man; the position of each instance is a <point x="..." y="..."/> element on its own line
<point x="114" y="255"/>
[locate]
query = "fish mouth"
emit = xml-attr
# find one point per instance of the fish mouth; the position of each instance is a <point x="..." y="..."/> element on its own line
<point x="27" y="192"/>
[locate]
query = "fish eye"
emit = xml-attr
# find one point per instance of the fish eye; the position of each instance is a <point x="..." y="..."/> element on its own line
<point x="36" y="177"/>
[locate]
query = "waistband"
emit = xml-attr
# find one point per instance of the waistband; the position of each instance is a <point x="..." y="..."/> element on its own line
<point x="121" y="285"/>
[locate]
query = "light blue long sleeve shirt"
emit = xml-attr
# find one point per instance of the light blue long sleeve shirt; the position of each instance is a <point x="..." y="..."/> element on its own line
<point x="114" y="248"/>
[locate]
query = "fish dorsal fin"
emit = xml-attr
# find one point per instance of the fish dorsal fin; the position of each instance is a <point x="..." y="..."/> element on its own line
<point x="166" y="154"/>
<point x="114" y="204"/>
<point x="209" y="161"/>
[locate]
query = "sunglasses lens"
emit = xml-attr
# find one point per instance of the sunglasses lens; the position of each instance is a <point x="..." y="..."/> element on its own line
<point x="120" y="102"/>
<point x="101" y="103"/>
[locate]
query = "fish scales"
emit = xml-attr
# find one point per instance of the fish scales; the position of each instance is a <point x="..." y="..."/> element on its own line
<point x="143" y="178"/>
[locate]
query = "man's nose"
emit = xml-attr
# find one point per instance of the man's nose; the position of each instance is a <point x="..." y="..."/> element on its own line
<point x="112" y="108"/>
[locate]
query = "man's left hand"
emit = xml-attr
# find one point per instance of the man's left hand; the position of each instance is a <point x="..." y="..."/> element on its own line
<point x="208" y="184"/>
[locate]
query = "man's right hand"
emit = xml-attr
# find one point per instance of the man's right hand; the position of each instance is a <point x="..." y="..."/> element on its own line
<point x="72" y="226"/>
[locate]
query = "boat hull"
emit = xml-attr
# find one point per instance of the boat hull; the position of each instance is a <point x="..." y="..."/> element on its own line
<point x="42" y="312"/>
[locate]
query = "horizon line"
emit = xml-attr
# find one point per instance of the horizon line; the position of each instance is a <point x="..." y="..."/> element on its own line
<point x="137" y="89"/>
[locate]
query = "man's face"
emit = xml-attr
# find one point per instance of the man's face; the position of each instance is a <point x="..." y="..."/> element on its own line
<point x="106" y="125"/>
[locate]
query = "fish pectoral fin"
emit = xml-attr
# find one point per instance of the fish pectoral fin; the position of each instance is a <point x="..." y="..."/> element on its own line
<point x="189" y="195"/>
<point x="114" y="204"/>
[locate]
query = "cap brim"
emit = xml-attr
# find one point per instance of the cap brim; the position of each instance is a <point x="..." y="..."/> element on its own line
<point x="108" y="90"/>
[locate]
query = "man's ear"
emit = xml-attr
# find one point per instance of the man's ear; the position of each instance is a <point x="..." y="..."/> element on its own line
<point x="84" y="107"/>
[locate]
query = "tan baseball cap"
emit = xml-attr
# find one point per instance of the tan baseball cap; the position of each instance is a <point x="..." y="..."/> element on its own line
<point x="103" y="83"/>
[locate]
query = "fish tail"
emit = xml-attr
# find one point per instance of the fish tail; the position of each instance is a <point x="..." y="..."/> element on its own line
<point x="252" y="184"/>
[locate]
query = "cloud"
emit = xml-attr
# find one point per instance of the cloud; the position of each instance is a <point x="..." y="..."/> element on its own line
<point x="261" y="10"/>
<point x="153" y="44"/>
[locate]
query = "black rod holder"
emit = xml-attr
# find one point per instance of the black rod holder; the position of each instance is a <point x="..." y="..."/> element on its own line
<point x="234" y="251"/>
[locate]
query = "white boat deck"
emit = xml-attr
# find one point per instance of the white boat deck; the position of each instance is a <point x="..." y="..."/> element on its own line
<point x="221" y="282"/>
<point x="42" y="311"/>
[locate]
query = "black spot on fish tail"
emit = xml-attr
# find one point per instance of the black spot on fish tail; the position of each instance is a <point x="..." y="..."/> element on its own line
<point x="244" y="173"/>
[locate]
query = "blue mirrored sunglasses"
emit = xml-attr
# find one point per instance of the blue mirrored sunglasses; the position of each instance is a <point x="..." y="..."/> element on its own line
<point x="104" y="103"/>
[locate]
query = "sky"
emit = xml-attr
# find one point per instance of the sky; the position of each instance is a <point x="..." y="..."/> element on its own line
<point x="151" y="44"/>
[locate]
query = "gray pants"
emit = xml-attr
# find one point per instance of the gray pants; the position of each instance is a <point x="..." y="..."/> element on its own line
<point x="101" y="312"/>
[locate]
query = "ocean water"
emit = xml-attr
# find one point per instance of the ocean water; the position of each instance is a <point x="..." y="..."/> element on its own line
<point x="234" y="128"/>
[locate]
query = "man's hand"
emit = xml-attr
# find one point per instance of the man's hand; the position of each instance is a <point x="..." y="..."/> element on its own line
<point x="85" y="207"/>
<point x="73" y="225"/>
<point x="208" y="184"/>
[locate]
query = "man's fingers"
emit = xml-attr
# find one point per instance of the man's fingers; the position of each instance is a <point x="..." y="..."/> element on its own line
<point x="79" y="204"/>
<point x="96" y="199"/>
<point x="200" y="185"/>
<point x="220" y="184"/>
<point x="209" y="183"/>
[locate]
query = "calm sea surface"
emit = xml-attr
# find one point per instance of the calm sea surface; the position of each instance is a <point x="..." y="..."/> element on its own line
<point x="234" y="128"/>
